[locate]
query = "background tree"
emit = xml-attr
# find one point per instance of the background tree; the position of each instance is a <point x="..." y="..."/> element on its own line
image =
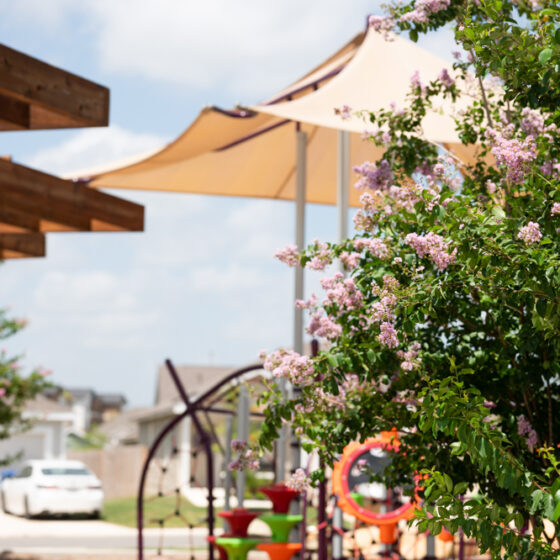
<point x="15" y="389"/>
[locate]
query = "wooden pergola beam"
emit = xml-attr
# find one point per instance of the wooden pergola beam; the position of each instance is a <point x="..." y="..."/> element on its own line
<point x="37" y="201"/>
<point x="36" y="95"/>
<point x="21" y="245"/>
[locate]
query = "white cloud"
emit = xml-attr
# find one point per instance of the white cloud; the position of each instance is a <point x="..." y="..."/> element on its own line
<point x="93" y="147"/>
<point x="248" y="48"/>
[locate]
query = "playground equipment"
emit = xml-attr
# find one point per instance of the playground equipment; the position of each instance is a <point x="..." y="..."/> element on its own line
<point x="372" y="504"/>
<point x="350" y="480"/>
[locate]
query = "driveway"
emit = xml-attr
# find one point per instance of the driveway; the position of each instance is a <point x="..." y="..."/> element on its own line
<point x="79" y="536"/>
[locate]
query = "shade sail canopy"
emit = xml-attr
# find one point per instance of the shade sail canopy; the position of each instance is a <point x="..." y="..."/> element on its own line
<point x="377" y="75"/>
<point x="253" y="152"/>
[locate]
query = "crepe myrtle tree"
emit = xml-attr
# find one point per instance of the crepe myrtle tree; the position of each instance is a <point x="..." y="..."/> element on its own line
<point x="446" y="324"/>
<point x="15" y="389"/>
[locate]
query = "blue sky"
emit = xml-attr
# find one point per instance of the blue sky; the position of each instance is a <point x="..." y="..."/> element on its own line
<point x="199" y="285"/>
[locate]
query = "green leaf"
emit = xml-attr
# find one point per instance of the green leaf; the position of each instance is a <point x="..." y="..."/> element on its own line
<point x="556" y="514"/>
<point x="545" y="55"/>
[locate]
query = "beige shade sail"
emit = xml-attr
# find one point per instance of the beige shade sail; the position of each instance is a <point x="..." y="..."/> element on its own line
<point x="252" y="152"/>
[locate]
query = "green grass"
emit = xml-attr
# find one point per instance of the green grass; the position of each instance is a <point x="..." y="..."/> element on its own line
<point x="122" y="511"/>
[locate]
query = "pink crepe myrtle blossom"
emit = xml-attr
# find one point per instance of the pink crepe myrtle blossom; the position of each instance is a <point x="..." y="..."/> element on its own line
<point x="323" y="326"/>
<point x="290" y="365"/>
<point x="446" y="79"/>
<point x="350" y="260"/>
<point x="555" y="209"/>
<point x="307" y="304"/>
<point x="382" y="25"/>
<point x="342" y="292"/>
<point x="434" y="246"/>
<point x="238" y="445"/>
<point x="513" y="154"/>
<point x="247" y="458"/>
<point x="374" y="177"/>
<point x="524" y="428"/>
<point x="374" y="245"/>
<point x="416" y="83"/>
<point x="345" y="112"/>
<point x="530" y="233"/>
<point x="550" y="168"/>
<point x="532" y="121"/>
<point x="321" y="256"/>
<point x="2" y="391"/>
<point x="299" y="481"/>
<point x="388" y="335"/>
<point x="423" y="9"/>
<point x="289" y="255"/>
<point x="410" y="357"/>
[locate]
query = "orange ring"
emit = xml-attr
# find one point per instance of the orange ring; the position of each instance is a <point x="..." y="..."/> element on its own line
<point x="386" y="440"/>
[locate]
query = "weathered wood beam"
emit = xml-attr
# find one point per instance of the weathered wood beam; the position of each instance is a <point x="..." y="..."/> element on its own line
<point x="55" y="98"/>
<point x="21" y="245"/>
<point x="14" y="114"/>
<point x="65" y="205"/>
<point x="14" y="220"/>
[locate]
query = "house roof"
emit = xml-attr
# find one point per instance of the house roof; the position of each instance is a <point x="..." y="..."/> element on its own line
<point x="111" y="399"/>
<point x="195" y="380"/>
<point x="47" y="409"/>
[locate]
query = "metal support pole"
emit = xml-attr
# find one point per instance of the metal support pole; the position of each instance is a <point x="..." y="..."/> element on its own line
<point x="227" y="457"/>
<point x="338" y="522"/>
<point x="342" y="183"/>
<point x="301" y="178"/>
<point x="430" y="547"/>
<point x="243" y="435"/>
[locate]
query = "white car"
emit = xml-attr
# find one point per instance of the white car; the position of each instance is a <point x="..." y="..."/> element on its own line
<point x="52" y="487"/>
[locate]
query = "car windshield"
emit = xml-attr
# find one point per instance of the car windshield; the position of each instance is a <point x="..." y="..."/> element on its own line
<point x="65" y="471"/>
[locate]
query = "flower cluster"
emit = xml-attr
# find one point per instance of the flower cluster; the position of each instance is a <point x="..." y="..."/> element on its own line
<point x="289" y="365"/>
<point x="423" y="9"/>
<point x="374" y="245"/>
<point x="410" y="357"/>
<point x="446" y="79"/>
<point x="383" y="310"/>
<point x="345" y="112"/>
<point x="288" y="255"/>
<point x="434" y="246"/>
<point x="524" y="428"/>
<point x="416" y="84"/>
<point x="247" y="458"/>
<point x="299" y="481"/>
<point x="513" y="154"/>
<point x="323" y="326"/>
<point x="350" y="260"/>
<point x="530" y="233"/>
<point x="374" y="177"/>
<point x="382" y="25"/>
<point x="555" y="209"/>
<point x="388" y="335"/>
<point x="321" y="256"/>
<point x="342" y="293"/>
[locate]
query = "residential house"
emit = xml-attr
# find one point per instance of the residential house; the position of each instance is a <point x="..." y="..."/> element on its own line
<point x="178" y="453"/>
<point x="46" y="439"/>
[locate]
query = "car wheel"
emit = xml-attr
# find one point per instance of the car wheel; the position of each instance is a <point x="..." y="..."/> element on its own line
<point x="3" y="503"/>
<point x="26" y="512"/>
<point x="95" y="514"/>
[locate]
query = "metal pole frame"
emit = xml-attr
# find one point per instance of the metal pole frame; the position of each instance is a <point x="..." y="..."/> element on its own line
<point x="191" y="408"/>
